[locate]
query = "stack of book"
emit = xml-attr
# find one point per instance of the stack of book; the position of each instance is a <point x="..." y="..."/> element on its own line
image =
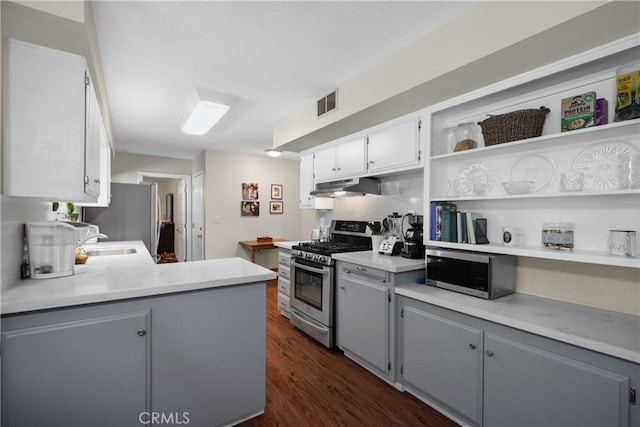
<point x="450" y="225"/>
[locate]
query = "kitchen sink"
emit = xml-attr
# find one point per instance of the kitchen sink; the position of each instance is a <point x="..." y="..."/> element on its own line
<point x="110" y="251"/>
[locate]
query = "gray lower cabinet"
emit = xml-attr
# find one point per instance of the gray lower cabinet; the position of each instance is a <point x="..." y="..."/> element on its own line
<point x="196" y="358"/>
<point x="482" y="373"/>
<point x="363" y="313"/>
<point x="366" y="316"/>
<point x="449" y="371"/>
<point x="528" y="386"/>
<point x="91" y="371"/>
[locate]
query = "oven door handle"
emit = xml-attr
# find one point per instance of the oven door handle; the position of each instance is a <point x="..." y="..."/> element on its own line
<point x="323" y="330"/>
<point x="311" y="269"/>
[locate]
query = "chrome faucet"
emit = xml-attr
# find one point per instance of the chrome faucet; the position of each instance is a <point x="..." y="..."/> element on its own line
<point x="89" y="237"/>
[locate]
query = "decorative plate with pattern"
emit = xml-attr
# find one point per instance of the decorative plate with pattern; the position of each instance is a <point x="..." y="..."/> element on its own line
<point x="599" y="163"/>
<point x="475" y="179"/>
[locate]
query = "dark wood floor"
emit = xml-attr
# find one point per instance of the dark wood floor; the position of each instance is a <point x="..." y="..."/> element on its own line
<point x="310" y="386"/>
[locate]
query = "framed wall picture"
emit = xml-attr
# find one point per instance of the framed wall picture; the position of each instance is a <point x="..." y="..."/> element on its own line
<point x="276" y="207"/>
<point x="249" y="208"/>
<point x="276" y="191"/>
<point x="249" y="191"/>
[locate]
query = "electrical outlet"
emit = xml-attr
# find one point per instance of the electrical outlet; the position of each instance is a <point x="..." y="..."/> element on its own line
<point x="217" y="220"/>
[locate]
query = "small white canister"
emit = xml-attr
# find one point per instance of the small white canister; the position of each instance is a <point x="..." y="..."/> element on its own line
<point x="623" y="243"/>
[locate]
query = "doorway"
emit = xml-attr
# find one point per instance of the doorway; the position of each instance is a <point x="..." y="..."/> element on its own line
<point x="197" y="215"/>
<point x="174" y="211"/>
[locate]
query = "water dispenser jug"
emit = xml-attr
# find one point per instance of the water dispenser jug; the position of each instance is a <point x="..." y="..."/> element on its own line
<point x="51" y="246"/>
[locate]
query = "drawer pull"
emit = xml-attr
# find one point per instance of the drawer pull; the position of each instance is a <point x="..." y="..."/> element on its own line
<point x="472" y="346"/>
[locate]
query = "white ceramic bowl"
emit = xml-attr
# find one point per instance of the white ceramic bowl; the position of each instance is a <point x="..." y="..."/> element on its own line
<point x="518" y="187"/>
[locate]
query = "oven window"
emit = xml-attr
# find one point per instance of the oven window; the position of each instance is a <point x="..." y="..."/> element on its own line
<point x="308" y="287"/>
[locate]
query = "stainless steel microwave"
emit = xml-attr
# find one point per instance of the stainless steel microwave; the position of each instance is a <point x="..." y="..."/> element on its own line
<point x="479" y="274"/>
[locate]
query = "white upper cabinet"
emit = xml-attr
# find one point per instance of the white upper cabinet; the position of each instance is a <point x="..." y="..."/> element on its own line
<point x="52" y="125"/>
<point x="473" y="179"/>
<point x="343" y="158"/>
<point x="307" y="201"/>
<point x="395" y="145"/>
<point x="105" y="172"/>
<point x="94" y="136"/>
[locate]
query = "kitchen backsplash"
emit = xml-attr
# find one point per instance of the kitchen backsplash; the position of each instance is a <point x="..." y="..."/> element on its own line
<point x="16" y="211"/>
<point x="400" y="193"/>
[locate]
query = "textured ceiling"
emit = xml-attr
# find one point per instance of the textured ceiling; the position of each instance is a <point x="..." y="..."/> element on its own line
<point x="273" y="56"/>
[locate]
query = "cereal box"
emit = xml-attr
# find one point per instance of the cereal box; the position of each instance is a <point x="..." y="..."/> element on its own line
<point x="578" y="112"/>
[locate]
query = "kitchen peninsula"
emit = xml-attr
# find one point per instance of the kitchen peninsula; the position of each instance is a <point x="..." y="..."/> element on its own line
<point x="128" y="339"/>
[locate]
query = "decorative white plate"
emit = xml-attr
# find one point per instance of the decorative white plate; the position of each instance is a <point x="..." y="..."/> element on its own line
<point x="599" y="163"/>
<point x="537" y="168"/>
<point x="475" y="179"/>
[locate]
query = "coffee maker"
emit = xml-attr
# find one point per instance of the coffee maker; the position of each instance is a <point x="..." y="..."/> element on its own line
<point x="413" y="245"/>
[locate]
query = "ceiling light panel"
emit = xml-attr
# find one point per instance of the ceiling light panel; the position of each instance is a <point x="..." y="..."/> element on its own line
<point x="203" y="110"/>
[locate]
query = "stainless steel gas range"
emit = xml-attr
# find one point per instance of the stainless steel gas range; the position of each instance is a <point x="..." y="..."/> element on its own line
<point x="313" y="278"/>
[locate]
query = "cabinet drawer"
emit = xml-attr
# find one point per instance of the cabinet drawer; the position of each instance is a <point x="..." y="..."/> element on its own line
<point x="354" y="270"/>
<point x="283" y="286"/>
<point x="284" y="272"/>
<point x="283" y="304"/>
<point x="284" y="258"/>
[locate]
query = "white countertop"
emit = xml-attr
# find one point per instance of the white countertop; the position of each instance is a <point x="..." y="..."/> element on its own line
<point x="288" y="245"/>
<point x="117" y="277"/>
<point x="604" y="331"/>
<point x="392" y="264"/>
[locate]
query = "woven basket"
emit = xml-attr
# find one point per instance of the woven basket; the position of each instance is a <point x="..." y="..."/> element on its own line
<point x="513" y="126"/>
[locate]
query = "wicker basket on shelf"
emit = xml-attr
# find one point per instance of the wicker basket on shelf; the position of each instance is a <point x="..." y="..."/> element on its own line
<point x="513" y="126"/>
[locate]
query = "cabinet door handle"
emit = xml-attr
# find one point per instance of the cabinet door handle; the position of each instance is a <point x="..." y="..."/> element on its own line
<point x="361" y="269"/>
<point x="371" y="162"/>
<point x="489" y="353"/>
<point x="339" y="169"/>
<point x="141" y="332"/>
<point x="342" y="287"/>
<point x="333" y="169"/>
<point x="472" y="346"/>
<point x="97" y="181"/>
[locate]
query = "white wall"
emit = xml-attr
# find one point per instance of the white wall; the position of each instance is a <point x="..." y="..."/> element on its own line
<point x="125" y="166"/>
<point x="73" y="10"/>
<point x="15" y="212"/>
<point x="198" y="164"/>
<point x="489" y="42"/>
<point x="225" y="173"/>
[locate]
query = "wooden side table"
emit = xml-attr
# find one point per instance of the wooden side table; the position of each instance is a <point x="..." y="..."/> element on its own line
<point x="255" y="246"/>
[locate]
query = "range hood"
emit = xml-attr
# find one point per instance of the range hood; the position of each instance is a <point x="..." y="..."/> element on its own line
<point x="347" y="187"/>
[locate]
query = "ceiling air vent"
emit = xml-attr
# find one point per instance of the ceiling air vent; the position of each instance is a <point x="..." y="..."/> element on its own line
<point x="328" y="103"/>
